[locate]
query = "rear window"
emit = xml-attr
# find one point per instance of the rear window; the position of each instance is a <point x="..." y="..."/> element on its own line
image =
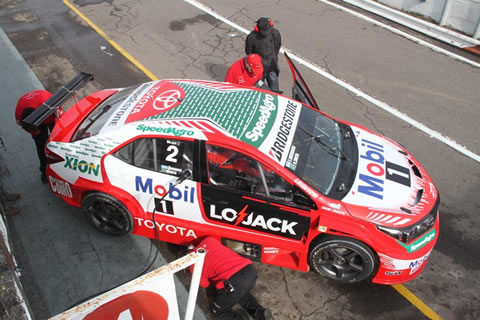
<point x="95" y="121"/>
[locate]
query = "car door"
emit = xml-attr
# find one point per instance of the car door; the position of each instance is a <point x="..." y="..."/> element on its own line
<point x="150" y="169"/>
<point x="245" y="199"/>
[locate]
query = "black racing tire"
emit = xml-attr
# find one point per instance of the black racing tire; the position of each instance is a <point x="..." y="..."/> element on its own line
<point x="343" y="259"/>
<point x="107" y="214"/>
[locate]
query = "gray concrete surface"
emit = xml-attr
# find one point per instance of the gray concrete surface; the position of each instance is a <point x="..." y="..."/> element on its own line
<point x="64" y="258"/>
<point x="173" y="39"/>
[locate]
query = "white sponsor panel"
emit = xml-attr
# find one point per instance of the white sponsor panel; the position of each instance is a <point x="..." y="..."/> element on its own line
<point x="152" y="296"/>
<point x="148" y="187"/>
<point x="398" y="264"/>
<point x="278" y="142"/>
<point x="384" y="176"/>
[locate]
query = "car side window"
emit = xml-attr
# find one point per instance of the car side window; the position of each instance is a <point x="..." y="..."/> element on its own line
<point x="168" y="156"/>
<point x="235" y="170"/>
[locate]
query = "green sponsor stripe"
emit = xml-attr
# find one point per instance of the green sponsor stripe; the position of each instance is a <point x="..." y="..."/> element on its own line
<point x="229" y="109"/>
<point x="420" y="243"/>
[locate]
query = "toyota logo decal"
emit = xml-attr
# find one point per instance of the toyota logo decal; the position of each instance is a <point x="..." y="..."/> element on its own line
<point x="167" y="100"/>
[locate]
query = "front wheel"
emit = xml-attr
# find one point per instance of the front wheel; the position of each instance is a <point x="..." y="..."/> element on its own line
<point x="107" y="214"/>
<point x="343" y="259"/>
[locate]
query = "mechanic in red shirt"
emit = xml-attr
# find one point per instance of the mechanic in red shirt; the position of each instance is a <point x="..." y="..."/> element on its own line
<point x="25" y="106"/>
<point x="247" y="71"/>
<point x="233" y="276"/>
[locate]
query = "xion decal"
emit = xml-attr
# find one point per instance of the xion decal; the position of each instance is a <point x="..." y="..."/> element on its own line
<point x="378" y="168"/>
<point x="284" y="131"/>
<point x="170" y="228"/>
<point x="264" y="120"/>
<point x="186" y="195"/>
<point x="81" y="165"/>
<point x="252" y="219"/>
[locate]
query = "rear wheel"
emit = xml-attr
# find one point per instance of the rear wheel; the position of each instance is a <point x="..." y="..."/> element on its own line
<point x="107" y="214"/>
<point x="343" y="259"/>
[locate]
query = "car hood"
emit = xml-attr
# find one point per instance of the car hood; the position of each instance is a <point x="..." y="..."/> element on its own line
<point x="390" y="187"/>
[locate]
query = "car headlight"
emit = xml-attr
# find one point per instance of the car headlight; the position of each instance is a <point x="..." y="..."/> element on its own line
<point x="412" y="232"/>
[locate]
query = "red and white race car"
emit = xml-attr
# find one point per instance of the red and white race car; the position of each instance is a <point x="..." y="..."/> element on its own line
<point x="274" y="178"/>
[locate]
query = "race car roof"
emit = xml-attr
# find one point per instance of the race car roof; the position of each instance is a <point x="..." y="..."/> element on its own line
<point x="260" y="118"/>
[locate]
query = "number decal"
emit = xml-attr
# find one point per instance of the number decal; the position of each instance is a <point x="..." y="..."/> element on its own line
<point x="397" y="173"/>
<point x="164" y="206"/>
<point x="173" y="151"/>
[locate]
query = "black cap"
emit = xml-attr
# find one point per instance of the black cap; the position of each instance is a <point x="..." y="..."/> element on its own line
<point x="263" y="24"/>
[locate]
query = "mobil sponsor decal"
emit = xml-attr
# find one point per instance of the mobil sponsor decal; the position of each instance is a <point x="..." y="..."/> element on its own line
<point x="260" y="219"/>
<point x="262" y="121"/>
<point x="160" y="98"/>
<point x="285" y="133"/>
<point x="84" y="166"/>
<point x="184" y="193"/>
<point x="60" y="187"/>
<point x="375" y="170"/>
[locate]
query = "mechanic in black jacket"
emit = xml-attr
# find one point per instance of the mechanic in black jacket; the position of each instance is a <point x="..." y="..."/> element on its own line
<point x="266" y="41"/>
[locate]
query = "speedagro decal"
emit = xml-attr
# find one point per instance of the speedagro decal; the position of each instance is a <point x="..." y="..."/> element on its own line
<point x="83" y="166"/>
<point x="169" y="130"/>
<point x="262" y="121"/>
<point x="420" y="243"/>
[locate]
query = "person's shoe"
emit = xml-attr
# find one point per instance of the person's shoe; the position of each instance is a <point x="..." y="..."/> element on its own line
<point x="12" y="196"/>
<point x="11" y="211"/>
<point x="263" y="314"/>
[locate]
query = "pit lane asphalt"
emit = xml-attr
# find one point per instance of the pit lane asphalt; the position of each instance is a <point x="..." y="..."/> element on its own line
<point x="449" y="279"/>
<point x="61" y="258"/>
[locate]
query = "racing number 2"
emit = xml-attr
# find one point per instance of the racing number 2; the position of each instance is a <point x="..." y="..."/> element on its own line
<point x="173" y="153"/>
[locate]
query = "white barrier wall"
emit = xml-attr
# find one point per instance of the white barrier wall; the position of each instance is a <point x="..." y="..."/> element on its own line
<point x="461" y="15"/>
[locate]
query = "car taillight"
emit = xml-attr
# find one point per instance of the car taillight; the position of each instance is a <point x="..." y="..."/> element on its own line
<point x="52" y="157"/>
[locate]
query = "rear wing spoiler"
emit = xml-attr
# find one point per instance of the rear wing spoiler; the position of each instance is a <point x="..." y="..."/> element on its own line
<point x="36" y="118"/>
<point x="301" y="92"/>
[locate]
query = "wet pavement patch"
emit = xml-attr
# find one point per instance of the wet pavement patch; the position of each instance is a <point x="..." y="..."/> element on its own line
<point x="83" y="3"/>
<point x="179" y="25"/>
<point x="24" y="17"/>
<point x="10" y="3"/>
<point x="31" y="41"/>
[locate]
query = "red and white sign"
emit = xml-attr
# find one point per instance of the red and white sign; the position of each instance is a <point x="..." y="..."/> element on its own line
<point x="150" y="297"/>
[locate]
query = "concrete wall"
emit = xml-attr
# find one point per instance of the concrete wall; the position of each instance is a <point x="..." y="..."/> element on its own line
<point x="461" y="15"/>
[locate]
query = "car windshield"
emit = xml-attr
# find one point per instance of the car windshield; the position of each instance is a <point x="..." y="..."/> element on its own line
<point x="95" y="121"/>
<point x="316" y="152"/>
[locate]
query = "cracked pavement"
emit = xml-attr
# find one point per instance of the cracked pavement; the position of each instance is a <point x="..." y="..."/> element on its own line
<point x="176" y="40"/>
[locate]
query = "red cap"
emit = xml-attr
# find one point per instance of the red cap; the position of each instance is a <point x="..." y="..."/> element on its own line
<point x="255" y="63"/>
<point x="32" y="99"/>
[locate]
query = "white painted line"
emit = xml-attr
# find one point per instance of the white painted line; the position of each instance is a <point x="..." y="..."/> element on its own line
<point x="403" y="34"/>
<point x="432" y="133"/>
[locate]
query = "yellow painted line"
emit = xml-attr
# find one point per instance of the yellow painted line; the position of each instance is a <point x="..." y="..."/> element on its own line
<point x="419" y="304"/>
<point x="113" y="43"/>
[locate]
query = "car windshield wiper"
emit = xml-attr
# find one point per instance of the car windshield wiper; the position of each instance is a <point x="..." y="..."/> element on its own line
<point x="330" y="150"/>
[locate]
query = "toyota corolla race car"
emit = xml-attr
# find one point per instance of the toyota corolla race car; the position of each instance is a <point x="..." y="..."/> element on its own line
<point x="273" y="177"/>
